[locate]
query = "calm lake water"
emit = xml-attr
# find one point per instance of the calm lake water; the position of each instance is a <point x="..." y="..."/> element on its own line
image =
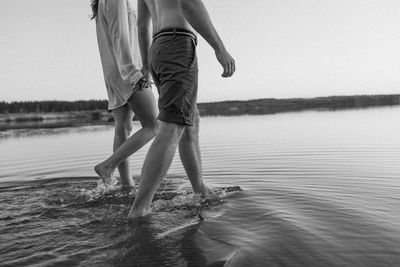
<point x="318" y="189"/>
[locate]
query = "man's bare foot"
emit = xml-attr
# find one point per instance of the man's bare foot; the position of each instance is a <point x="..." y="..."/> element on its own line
<point x="137" y="212"/>
<point x="207" y="192"/>
<point x="104" y="172"/>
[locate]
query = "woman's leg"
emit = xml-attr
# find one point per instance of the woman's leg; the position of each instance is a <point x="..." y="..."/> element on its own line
<point x="123" y="126"/>
<point x="143" y="104"/>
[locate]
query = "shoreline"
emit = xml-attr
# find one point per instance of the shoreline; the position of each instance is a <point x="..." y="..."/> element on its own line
<point x="49" y="120"/>
<point x="273" y="106"/>
<point x="29" y="120"/>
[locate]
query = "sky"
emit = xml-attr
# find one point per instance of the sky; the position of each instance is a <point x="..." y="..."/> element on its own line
<point x="282" y="48"/>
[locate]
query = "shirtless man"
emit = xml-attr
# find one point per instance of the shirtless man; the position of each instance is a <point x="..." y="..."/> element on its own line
<point x="172" y="63"/>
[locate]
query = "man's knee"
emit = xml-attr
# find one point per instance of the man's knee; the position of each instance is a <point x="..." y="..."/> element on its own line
<point x="167" y="130"/>
<point x="190" y="134"/>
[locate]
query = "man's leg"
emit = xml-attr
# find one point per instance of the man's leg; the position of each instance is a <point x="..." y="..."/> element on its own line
<point x="143" y="104"/>
<point x="155" y="167"/>
<point x="189" y="152"/>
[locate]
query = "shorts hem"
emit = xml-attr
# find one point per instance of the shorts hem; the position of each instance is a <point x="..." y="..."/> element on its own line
<point x="176" y="119"/>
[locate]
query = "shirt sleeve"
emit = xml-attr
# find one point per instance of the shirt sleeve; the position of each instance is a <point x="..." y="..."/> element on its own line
<point x="118" y="26"/>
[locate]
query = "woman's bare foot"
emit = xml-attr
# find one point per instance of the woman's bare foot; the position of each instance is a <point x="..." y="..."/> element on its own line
<point x="104" y="172"/>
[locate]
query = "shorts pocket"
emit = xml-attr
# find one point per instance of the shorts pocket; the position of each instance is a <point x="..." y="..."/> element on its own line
<point x="193" y="64"/>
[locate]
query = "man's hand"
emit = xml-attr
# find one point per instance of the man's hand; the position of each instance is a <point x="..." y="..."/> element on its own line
<point x="197" y="15"/>
<point x="227" y="62"/>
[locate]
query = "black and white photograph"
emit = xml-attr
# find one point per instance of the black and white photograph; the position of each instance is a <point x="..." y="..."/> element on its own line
<point x="200" y="133"/>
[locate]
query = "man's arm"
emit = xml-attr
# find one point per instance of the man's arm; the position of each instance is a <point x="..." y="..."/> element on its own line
<point x="198" y="17"/>
<point x="118" y="26"/>
<point x="144" y="23"/>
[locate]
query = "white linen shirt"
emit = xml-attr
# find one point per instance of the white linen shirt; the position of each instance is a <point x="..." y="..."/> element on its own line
<point x="117" y="37"/>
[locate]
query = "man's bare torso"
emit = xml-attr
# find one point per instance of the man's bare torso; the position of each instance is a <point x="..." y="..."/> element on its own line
<point x="166" y="14"/>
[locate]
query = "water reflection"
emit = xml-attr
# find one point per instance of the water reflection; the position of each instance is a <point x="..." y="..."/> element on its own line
<point x="320" y="189"/>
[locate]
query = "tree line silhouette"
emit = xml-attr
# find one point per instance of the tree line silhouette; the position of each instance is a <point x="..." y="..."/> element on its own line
<point x="51" y="106"/>
<point x="272" y="105"/>
<point x="224" y="108"/>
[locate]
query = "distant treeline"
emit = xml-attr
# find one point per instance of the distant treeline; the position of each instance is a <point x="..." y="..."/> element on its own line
<point x="225" y="108"/>
<point x="272" y="105"/>
<point x="51" y="106"/>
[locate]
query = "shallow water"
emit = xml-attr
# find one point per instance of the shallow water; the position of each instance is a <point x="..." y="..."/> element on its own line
<point x="319" y="189"/>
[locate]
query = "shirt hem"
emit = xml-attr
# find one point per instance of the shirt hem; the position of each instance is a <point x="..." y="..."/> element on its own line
<point x="125" y="101"/>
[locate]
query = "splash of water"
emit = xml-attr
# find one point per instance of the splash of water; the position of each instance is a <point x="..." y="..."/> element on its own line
<point x="169" y="197"/>
<point x="189" y="200"/>
<point x="102" y="189"/>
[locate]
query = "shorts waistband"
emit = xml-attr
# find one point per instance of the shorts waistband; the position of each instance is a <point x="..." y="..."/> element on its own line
<point x="175" y="32"/>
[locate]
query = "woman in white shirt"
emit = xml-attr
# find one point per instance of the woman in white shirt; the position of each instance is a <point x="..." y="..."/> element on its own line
<point x="128" y="89"/>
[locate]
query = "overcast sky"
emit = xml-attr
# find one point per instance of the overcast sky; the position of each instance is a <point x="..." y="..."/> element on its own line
<point x="283" y="48"/>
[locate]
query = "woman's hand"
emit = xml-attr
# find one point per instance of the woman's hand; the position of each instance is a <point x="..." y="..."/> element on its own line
<point x="147" y="75"/>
